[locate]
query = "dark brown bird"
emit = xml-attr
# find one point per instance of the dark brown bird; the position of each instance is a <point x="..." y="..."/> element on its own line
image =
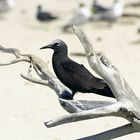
<point x="44" y="15"/>
<point x="73" y="75"/>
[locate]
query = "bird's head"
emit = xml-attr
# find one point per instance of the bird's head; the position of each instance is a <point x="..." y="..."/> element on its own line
<point x="39" y="8"/>
<point x="57" y="45"/>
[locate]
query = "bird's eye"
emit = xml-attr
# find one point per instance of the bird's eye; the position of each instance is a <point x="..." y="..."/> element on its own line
<point x="56" y="44"/>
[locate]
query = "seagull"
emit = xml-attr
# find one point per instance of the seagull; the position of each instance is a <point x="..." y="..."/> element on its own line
<point x="73" y="75"/>
<point x="98" y="8"/>
<point x="44" y="16"/>
<point x="112" y="13"/>
<point x="6" y="5"/>
<point x="81" y="16"/>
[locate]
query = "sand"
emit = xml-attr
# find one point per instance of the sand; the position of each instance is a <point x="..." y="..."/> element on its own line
<point x="26" y="106"/>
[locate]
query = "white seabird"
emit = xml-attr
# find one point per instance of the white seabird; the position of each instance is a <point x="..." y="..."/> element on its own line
<point x="6" y="5"/>
<point x="82" y="15"/>
<point x="112" y="13"/>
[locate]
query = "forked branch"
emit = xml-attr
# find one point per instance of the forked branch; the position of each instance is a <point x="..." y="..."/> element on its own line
<point x="126" y="106"/>
<point x="46" y="78"/>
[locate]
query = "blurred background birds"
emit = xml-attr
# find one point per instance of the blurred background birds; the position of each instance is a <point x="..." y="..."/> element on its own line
<point x="80" y="16"/>
<point x="110" y="13"/>
<point x="44" y="15"/>
<point x="6" y="5"/>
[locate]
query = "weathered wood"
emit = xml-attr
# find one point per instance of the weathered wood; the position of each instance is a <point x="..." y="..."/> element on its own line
<point x="127" y="105"/>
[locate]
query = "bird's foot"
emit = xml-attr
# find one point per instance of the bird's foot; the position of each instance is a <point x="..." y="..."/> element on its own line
<point x="66" y="95"/>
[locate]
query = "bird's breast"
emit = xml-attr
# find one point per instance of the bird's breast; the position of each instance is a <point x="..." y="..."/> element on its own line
<point x="56" y="62"/>
<point x="63" y="75"/>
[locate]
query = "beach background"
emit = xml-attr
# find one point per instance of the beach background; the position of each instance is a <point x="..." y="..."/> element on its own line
<point x="25" y="106"/>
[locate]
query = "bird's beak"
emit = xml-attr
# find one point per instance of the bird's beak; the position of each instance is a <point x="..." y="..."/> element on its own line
<point x="47" y="47"/>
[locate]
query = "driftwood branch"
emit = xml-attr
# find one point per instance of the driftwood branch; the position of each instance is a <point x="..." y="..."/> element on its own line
<point x="126" y="105"/>
<point x="46" y="78"/>
<point x="110" y="110"/>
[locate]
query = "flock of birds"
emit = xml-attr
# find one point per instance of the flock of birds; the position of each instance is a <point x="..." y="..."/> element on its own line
<point x="73" y="75"/>
<point x="85" y="14"/>
<point x="82" y="15"/>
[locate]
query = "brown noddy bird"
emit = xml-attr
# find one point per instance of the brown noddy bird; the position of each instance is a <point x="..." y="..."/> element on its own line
<point x="73" y="75"/>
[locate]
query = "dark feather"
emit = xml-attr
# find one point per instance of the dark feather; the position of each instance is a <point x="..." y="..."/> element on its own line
<point x="73" y="75"/>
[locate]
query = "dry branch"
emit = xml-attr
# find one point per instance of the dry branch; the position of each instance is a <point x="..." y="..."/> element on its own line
<point x="48" y="79"/>
<point x="110" y="110"/>
<point x="126" y="105"/>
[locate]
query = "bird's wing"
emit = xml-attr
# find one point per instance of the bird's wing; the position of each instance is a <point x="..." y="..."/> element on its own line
<point x="99" y="8"/>
<point x="80" y="74"/>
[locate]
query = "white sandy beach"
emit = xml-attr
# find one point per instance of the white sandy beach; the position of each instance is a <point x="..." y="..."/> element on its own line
<point x="24" y="106"/>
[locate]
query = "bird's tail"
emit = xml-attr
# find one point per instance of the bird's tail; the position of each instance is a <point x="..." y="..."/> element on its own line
<point x="107" y="92"/>
<point x="104" y="92"/>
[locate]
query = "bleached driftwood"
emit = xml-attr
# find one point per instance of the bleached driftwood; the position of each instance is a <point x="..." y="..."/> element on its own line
<point x="127" y="104"/>
<point x="48" y="79"/>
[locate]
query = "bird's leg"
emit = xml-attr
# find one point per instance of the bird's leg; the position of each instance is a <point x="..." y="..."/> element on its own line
<point x="66" y="95"/>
